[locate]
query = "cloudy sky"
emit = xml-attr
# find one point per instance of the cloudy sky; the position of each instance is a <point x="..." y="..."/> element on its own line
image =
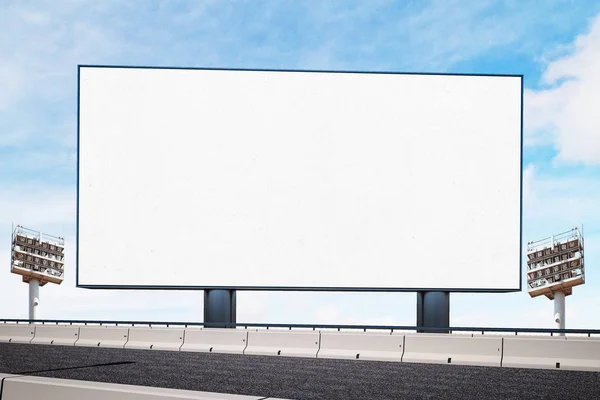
<point x="554" y="44"/>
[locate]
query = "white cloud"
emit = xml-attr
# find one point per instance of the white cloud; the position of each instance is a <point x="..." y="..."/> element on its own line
<point x="46" y="43"/>
<point x="566" y="114"/>
<point x="37" y="206"/>
<point x="12" y="137"/>
<point x="428" y="36"/>
<point x="559" y="202"/>
<point x="24" y="160"/>
<point x="442" y="26"/>
<point x="528" y="175"/>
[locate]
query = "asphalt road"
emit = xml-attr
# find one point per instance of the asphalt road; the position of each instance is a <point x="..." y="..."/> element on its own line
<point x="294" y="378"/>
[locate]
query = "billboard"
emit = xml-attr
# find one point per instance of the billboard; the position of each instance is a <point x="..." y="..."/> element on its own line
<point x="298" y="180"/>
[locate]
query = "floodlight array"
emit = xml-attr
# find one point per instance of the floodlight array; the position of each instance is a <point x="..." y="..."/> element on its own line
<point x="37" y="256"/>
<point x="555" y="264"/>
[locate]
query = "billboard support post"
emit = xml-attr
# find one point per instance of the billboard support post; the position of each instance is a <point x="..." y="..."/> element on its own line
<point x="219" y="308"/>
<point x="433" y="310"/>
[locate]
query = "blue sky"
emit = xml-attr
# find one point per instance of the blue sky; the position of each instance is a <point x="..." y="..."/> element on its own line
<point x="554" y="44"/>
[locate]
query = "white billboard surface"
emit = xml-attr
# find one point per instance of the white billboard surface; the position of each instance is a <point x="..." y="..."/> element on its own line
<point x="288" y="179"/>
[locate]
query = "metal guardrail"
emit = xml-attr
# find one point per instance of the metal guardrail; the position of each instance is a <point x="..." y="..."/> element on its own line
<point x="32" y="234"/>
<point x="391" y="328"/>
<point x="558" y="238"/>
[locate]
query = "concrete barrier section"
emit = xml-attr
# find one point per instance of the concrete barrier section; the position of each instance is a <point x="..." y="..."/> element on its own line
<point x="155" y="338"/>
<point x="16" y="333"/>
<point x="65" y="335"/>
<point x="573" y="354"/>
<point x="361" y="346"/>
<point x="283" y="343"/>
<point x="433" y="334"/>
<point x="583" y="337"/>
<point x="232" y="341"/>
<point x="452" y="349"/>
<point x="102" y="336"/>
<point x="19" y="387"/>
<point x="521" y="336"/>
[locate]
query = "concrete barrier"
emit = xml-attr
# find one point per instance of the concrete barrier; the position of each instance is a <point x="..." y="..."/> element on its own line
<point x="283" y="343"/>
<point x="102" y="336"/>
<point x="19" y="387"/>
<point x="65" y="335"/>
<point x="232" y="341"/>
<point x="433" y="334"/>
<point x="582" y="337"/>
<point x="155" y="338"/>
<point x="573" y="354"/>
<point x="452" y="349"/>
<point x="16" y="333"/>
<point x="520" y="336"/>
<point x="361" y="346"/>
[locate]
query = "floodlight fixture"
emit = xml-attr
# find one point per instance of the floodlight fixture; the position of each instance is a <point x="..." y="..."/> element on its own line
<point x="39" y="259"/>
<point x="554" y="266"/>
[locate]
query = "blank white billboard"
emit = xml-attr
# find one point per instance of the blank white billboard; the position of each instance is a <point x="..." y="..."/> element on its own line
<point x="202" y="178"/>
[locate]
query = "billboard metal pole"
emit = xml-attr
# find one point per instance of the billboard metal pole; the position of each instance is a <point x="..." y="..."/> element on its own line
<point x="219" y="308"/>
<point x="433" y="310"/>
